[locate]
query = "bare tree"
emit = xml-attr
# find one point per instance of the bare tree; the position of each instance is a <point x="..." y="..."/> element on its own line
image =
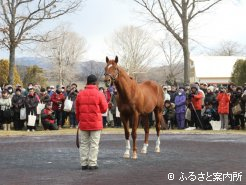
<point x="175" y="16"/>
<point x="228" y="48"/>
<point x="19" y="18"/>
<point x="92" y="67"/>
<point x="132" y="45"/>
<point x="173" y="58"/>
<point x="65" y="49"/>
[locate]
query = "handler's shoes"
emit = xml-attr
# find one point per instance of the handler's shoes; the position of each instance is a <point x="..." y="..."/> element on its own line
<point x="93" y="167"/>
<point x="84" y="167"/>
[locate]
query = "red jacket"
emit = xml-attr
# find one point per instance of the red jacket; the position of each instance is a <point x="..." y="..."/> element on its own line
<point x="50" y="118"/>
<point x="223" y="100"/>
<point x="90" y="104"/>
<point x="197" y="101"/>
<point x="57" y="101"/>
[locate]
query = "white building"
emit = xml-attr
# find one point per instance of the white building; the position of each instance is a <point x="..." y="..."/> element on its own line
<point x="212" y="69"/>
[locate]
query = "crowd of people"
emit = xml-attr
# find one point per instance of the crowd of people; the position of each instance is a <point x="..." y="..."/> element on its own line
<point x="19" y="105"/>
<point x="197" y="105"/>
<point x="194" y="105"/>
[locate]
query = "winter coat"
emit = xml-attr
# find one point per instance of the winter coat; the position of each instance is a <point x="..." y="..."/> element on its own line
<point x="169" y="112"/>
<point x="173" y="94"/>
<point x="18" y="101"/>
<point x="58" y="101"/>
<point x="5" y="111"/>
<point x="113" y="104"/>
<point x="197" y="100"/>
<point x="72" y="96"/>
<point x="44" y="98"/>
<point x="210" y="98"/>
<point x="223" y="101"/>
<point x="46" y="117"/>
<point x="180" y="102"/>
<point x="238" y="98"/>
<point x="5" y="103"/>
<point x="31" y="103"/>
<point x="90" y="104"/>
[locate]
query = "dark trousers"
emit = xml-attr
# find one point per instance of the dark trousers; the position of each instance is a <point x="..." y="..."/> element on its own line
<point x="196" y="118"/>
<point x="58" y="114"/>
<point x="117" y="121"/>
<point x="104" y="118"/>
<point x="49" y="126"/>
<point x="18" y="124"/>
<point x="64" y="117"/>
<point x="239" y="121"/>
<point x="72" y="119"/>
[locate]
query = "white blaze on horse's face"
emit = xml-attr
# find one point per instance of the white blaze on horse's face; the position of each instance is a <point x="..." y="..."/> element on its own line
<point x="109" y="66"/>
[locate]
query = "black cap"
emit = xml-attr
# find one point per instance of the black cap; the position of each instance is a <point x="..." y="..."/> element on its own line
<point x="42" y="89"/>
<point x="18" y="89"/>
<point x="91" y="79"/>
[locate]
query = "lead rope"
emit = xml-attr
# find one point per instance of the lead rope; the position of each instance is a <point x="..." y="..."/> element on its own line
<point x="77" y="138"/>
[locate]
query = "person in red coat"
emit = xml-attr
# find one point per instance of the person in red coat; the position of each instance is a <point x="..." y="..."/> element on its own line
<point x="195" y="98"/>
<point x="90" y="104"/>
<point x="57" y="99"/>
<point x="223" y="99"/>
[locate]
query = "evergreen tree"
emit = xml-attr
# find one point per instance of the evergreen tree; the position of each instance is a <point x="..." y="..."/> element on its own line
<point x="239" y="72"/>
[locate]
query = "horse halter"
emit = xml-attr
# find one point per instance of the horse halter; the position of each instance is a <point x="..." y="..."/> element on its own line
<point x="113" y="78"/>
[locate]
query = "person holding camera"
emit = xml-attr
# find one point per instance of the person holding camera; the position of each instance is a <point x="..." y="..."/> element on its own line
<point x="57" y="100"/>
<point x="223" y="99"/>
<point x="48" y="117"/>
<point x="195" y="98"/>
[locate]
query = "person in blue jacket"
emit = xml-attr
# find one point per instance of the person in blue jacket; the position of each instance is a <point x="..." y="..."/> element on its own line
<point x="180" y="107"/>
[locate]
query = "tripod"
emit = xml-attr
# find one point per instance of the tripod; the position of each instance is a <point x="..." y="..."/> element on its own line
<point x="196" y="115"/>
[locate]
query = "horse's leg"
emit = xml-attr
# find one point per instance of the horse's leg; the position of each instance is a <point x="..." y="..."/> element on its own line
<point x="134" y="133"/>
<point x="158" y="115"/>
<point x="127" y="134"/>
<point x="146" y="138"/>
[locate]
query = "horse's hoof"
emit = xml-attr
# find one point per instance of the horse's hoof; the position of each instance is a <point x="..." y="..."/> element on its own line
<point x="157" y="150"/>
<point x="134" y="156"/>
<point x="126" y="155"/>
<point x="143" y="151"/>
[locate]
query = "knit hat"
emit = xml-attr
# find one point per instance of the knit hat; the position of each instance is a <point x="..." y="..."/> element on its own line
<point x="91" y="79"/>
<point x="211" y="88"/>
<point x="195" y="86"/>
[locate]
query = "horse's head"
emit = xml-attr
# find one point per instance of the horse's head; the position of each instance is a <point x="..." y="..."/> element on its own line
<point x="111" y="71"/>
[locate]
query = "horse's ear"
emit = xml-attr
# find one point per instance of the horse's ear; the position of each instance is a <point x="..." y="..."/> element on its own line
<point x="107" y="59"/>
<point x="116" y="59"/>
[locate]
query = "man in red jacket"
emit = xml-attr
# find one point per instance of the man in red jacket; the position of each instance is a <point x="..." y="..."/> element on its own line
<point x="90" y="104"/>
<point x="196" y="106"/>
<point x="57" y="99"/>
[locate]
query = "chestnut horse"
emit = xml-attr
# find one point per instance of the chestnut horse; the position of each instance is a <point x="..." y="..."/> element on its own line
<point x="135" y="100"/>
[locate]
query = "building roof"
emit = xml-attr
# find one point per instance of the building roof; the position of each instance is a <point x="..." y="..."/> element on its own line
<point x="214" y="66"/>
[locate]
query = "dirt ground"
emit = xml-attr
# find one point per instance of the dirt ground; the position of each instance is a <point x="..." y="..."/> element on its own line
<point x="185" y="158"/>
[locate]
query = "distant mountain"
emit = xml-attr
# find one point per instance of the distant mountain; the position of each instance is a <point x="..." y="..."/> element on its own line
<point x="30" y="61"/>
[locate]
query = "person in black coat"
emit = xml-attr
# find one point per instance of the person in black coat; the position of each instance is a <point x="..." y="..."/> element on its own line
<point x="18" y="102"/>
<point x="31" y="103"/>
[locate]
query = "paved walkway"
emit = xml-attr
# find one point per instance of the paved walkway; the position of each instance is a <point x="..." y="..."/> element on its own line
<point x="54" y="160"/>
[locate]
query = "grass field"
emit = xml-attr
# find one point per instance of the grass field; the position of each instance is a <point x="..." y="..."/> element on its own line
<point x="68" y="131"/>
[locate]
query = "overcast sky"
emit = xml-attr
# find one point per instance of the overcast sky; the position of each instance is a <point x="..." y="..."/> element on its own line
<point x="98" y="19"/>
